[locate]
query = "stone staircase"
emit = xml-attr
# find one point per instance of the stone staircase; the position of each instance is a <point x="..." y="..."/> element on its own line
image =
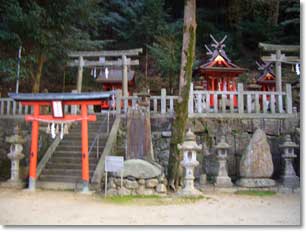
<point x="64" y="169"/>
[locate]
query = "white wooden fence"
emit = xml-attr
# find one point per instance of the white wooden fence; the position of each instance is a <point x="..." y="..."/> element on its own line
<point x="159" y="105"/>
<point x="240" y="103"/>
<point x="12" y="109"/>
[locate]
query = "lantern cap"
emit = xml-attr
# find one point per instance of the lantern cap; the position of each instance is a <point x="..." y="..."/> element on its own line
<point x="222" y="144"/>
<point x="288" y="143"/>
<point x="190" y="136"/>
<point x="189" y="142"/>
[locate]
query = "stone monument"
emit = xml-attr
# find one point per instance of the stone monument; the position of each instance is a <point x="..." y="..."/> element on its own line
<point x="189" y="162"/>
<point x="288" y="177"/>
<point x="139" y="138"/>
<point x="15" y="155"/>
<point x="256" y="166"/>
<point x="222" y="180"/>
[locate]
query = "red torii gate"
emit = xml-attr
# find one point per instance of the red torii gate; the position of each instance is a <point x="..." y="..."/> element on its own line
<point x="61" y="99"/>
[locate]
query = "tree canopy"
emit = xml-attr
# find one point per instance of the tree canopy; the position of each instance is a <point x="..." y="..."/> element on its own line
<point x="47" y="30"/>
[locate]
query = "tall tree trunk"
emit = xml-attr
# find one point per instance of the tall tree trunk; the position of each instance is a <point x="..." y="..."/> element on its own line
<point x="181" y="108"/>
<point x="41" y="59"/>
<point x="275" y="12"/>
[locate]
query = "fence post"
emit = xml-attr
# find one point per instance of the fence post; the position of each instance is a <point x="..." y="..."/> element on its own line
<point x="190" y="103"/>
<point x="288" y="99"/>
<point x="240" y="99"/>
<point x="74" y="109"/>
<point x="280" y="103"/>
<point x="118" y="101"/>
<point x="163" y="101"/>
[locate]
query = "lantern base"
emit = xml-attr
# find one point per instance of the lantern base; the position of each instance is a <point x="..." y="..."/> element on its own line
<point x="223" y="182"/>
<point x="290" y="181"/>
<point x="189" y="192"/>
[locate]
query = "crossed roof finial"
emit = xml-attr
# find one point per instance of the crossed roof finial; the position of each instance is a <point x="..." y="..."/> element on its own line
<point x="218" y="48"/>
<point x="263" y="66"/>
<point x="218" y="45"/>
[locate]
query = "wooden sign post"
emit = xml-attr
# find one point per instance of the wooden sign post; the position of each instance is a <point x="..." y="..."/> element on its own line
<point x="113" y="164"/>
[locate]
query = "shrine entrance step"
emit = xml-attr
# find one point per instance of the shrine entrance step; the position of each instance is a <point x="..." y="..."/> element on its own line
<point x="64" y="169"/>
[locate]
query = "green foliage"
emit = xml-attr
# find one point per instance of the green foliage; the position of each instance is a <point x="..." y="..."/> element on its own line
<point x="8" y="67"/>
<point x="166" y="50"/>
<point x="290" y="22"/>
<point x="46" y="30"/>
<point x="51" y="28"/>
<point x="134" y="22"/>
<point x="152" y="199"/>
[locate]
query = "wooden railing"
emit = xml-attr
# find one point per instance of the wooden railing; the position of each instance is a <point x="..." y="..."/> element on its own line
<point x="241" y="103"/>
<point x="159" y="105"/>
<point x="11" y="108"/>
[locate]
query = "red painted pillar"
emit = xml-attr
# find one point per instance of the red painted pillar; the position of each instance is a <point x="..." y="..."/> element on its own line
<point x="212" y="89"/>
<point x="235" y="97"/>
<point x="34" y="149"/>
<point x="85" y="161"/>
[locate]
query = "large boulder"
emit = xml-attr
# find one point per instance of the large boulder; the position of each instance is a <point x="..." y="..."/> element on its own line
<point x="140" y="169"/>
<point x="256" y="166"/>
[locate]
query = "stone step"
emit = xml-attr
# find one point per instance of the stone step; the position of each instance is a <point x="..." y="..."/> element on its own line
<point x="51" y="165"/>
<point x="64" y="172"/>
<point x="70" y="160"/>
<point x="71" y="179"/>
<point x="78" y="142"/>
<point x="77" y="155"/>
<point x="64" y="169"/>
<point x="58" y="185"/>
<point x="77" y="147"/>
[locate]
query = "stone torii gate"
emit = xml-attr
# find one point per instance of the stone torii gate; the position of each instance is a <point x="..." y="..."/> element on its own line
<point x="279" y="58"/>
<point x="124" y="61"/>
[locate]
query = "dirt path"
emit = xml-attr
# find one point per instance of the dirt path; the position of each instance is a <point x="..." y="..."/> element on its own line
<point x="67" y="208"/>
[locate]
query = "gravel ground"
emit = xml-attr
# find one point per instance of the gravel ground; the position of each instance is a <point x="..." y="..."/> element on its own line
<point x="21" y="207"/>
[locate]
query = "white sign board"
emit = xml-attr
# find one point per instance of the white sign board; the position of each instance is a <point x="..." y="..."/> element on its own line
<point x="113" y="163"/>
<point x="57" y="108"/>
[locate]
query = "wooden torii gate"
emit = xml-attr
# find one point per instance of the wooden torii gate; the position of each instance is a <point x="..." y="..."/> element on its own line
<point x="124" y="61"/>
<point x="58" y="102"/>
<point x="279" y="58"/>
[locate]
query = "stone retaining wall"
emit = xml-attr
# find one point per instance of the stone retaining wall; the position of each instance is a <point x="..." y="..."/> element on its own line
<point x="6" y="129"/>
<point x="136" y="186"/>
<point x="238" y="133"/>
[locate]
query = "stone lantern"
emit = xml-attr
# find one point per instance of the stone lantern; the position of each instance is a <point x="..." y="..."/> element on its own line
<point x="189" y="162"/>
<point x="289" y="178"/>
<point x="15" y="155"/>
<point x="222" y="180"/>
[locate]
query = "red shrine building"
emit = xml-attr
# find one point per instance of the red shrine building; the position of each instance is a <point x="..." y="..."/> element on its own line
<point x="266" y="78"/>
<point x="113" y="81"/>
<point x="219" y="73"/>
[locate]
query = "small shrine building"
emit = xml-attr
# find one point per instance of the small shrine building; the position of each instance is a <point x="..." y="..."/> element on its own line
<point x="219" y="73"/>
<point x="266" y="78"/>
<point x="112" y="80"/>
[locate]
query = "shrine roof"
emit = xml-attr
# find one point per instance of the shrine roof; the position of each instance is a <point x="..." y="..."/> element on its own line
<point x="60" y="96"/>
<point x="114" y="76"/>
<point x="219" y="61"/>
<point x="266" y="75"/>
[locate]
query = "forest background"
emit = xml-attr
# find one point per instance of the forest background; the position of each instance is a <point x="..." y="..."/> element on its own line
<point x="48" y="30"/>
